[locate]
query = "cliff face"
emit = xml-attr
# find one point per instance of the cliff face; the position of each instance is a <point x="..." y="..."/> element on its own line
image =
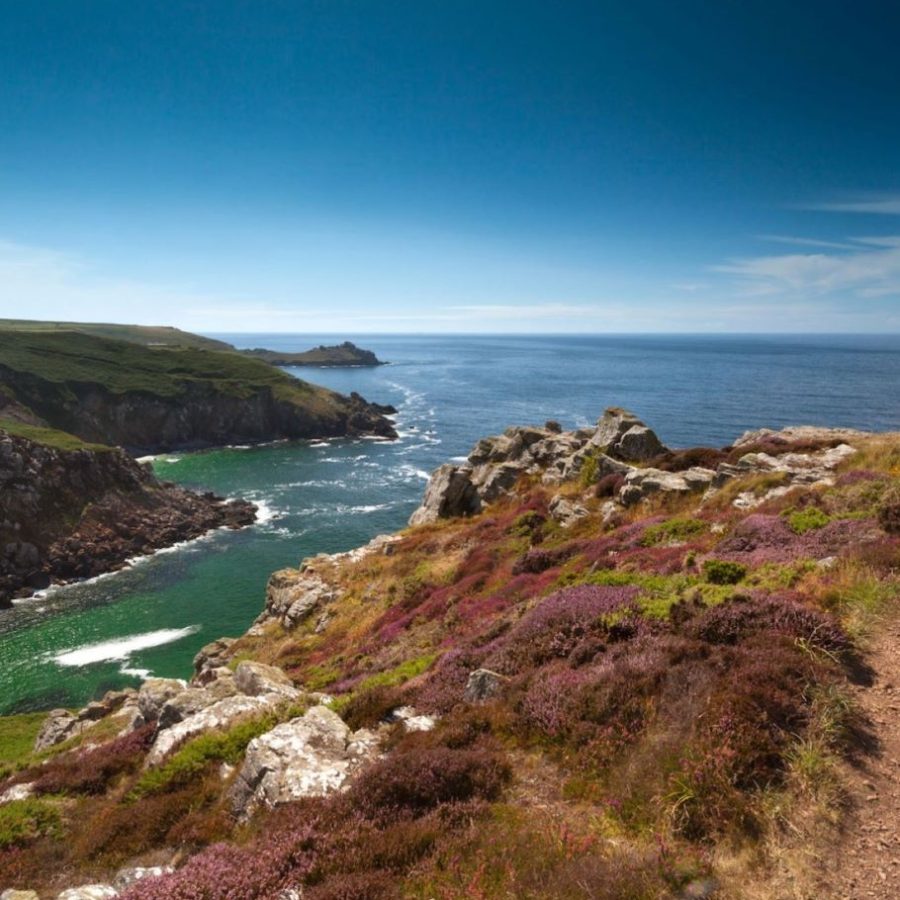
<point x="156" y="399"/>
<point x="71" y="512"/>
<point x="200" y="415"/>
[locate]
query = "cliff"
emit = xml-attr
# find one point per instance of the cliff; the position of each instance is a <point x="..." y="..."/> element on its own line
<point x="70" y="510"/>
<point x="151" y="399"/>
<point x="346" y="354"/>
<point x="594" y="667"/>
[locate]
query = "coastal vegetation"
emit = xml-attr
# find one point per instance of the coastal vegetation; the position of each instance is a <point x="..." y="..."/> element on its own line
<point x="653" y="699"/>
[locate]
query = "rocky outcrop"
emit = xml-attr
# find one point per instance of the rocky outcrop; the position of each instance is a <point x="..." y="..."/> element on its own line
<point x="68" y="514"/>
<point x="641" y="483"/>
<point x="622" y="435"/>
<point x="294" y="595"/>
<point x="496" y="464"/>
<point x="61" y="724"/>
<point x="311" y="755"/>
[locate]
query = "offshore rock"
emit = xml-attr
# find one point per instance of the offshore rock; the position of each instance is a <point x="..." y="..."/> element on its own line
<point x="311" y="755"/>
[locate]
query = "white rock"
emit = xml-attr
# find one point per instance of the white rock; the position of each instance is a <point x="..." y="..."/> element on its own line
<point x="89" y="892"/>
<point x="17" y="792"/>
<point x="311" y="755"/>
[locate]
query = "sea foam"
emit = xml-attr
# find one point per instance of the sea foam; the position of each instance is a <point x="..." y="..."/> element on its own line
<point x="121" y="648"/>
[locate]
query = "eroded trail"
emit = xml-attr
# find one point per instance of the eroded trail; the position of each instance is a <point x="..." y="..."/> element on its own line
<point x="867" y="862"/>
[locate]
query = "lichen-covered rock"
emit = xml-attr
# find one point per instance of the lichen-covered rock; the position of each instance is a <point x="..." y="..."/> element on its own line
<point x="292" y="595"/>
<point x="623" y="435"/>
<point x="17" y="792"/>
<point x="217" y="716"/>
<point x="89" y="892"/>
<point x="155" y="693"/>
<point x="212" y="656"/>
<point x="59" y="726"/>
<point x="566" y="512"/>
<point x="254" y="678"/>
<point x="450" y="492"/>
<point x="13" y="894"/>
<point x="641" y="483"/>
<point x="411" y="720"/>
<point x="309" y="756"/>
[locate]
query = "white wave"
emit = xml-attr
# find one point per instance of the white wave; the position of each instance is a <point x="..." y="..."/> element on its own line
<point x="371" y="508"/>
<point x="266" y="513"/>
<point x="121" y="648"/>
<point x="459" y="459"/>
<point x="319" y="444"/>
<point x="137" y="673"/>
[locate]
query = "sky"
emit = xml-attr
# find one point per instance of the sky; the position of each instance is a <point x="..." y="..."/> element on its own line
<point x="452" y="166"/>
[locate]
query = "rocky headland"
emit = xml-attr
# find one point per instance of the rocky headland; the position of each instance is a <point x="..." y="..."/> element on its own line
<point x="345" y="354"/>
<point x="593" y="666"/>
<point x="151" y="399"/>
<point x="72" y="511"/>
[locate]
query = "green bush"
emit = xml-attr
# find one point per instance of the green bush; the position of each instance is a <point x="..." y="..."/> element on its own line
<point x="22" y="821"/>
<point x="802" y="520"/>
<point x="673" y="530"/>
<point x="722" y="571"/>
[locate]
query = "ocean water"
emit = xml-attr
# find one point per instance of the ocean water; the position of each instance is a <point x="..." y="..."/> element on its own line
<point x="74" y="643"/>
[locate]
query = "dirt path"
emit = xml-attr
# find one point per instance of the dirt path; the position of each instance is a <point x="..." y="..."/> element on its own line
<point x="867" y="863"/>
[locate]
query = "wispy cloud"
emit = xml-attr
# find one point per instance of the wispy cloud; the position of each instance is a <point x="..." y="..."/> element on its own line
<point x="879" y="204"/>
<point x="870" y="269"/>
<point x="804" y="242"/>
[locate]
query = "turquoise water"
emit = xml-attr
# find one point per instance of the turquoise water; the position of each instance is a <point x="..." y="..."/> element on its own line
<point x="74" y="643"/>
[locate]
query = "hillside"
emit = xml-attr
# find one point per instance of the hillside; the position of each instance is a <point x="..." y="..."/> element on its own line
<point x="147" y="335"/>
<point x="346" y="354"/>
<point x="593" y="667"/>
<point x="149" y="399"/>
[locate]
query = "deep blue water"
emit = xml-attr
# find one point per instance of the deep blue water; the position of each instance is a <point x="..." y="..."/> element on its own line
<point x="336" y="495"/>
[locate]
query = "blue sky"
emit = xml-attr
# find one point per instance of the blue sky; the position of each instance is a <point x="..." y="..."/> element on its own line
<point x="456" y="166"/>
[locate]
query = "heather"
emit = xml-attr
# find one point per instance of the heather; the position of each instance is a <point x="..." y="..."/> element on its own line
<point x="671" y="701"/>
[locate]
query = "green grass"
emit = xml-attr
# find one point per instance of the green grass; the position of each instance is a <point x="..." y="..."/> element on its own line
<point x="22" y="821"/>
<point x="49" y="437"/>
<point x="17" y="736"/>
<point x="73" y="358"/>
<point x="399" y="674"/>
<point x="148" y="335"/>
<point x="802" y="520"/>
<point x="672" y="531"/>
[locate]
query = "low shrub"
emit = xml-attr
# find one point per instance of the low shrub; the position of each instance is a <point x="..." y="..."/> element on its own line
<point x="366" y="708"/>
<point x="889" y="511"/>
<point x="609" y="485"/>
<point x="807" y="519"/>
<point x="22" y="821"/>
<point x="743" y="616"/>
<point x="413" y="782"/>
<point x="673" y="530"/>
<point x="92" y="771"/>
<point x="723" y="571"/>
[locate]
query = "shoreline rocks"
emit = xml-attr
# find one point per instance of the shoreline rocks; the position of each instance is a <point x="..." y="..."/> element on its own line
<point x="68" y="515"/>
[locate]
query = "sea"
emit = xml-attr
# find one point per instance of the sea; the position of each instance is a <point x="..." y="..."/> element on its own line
<point x="71" y="644"/>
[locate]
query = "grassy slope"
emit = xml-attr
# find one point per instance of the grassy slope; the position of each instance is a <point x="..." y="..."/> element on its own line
<point x="49" y="437"/>
<point x="699" y="734"/>
<point x="152" y="335"/>
<point x="121" y="366"/>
